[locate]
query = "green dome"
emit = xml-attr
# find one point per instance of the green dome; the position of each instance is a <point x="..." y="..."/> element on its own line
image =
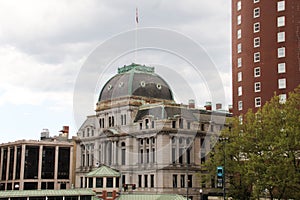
<point x="136" y="80"/>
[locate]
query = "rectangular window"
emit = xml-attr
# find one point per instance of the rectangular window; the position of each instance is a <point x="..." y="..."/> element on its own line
<point x="256" y="57"/>
<point x="256" y="12"/>
<point x="180" y="159"/>
<point x="142" y="156"/>
<point x="281" y="37"/>
<point x="239" y="62"/>
<point x="281" y="52"/>
<point x="109" y="182"/>
<point x="240" y="76"/>
<point x="153" y="155"/>
<point x="174" y="180"/>
<point x="257" y="87"/>
<point x="256" y="27"/>
<point x="152" y="181"/>
<point x="281" y="21"/>
<point x="239" y="48"/>
<point x="173" y="155"/>
<point x="241" y="119"/>
<point x="239" y="5"/>
<point x="188" y="156"/>
<point x="257" y="72"/>
<point x="123" y="156"/>
<point x="181" y="123"/>
<point x="146" y="180"/>
<point x="182" y="181"/>
<point x="240" y="105"/>
<point x="240" y="91"/>
<point x="257" y="102"/>
<point x="117" y="182"/>
<point x="239" y="19"/>
<point x="281" y="68"/>
<point x="147" y="156"/>
<point x="239" y="34"/>
<point x="99" y="182"/>
<point x="190" y="181"/>
<point x="140" y="181"/>
<point x="90" y="182"/>
<point x="282" y="83"/>
<point x="256" y="42"/>
<point x="123" y="179"/>
<point x="282" y="98"/>
<point x="173" y="124"/>
<point x="280" y="6"/>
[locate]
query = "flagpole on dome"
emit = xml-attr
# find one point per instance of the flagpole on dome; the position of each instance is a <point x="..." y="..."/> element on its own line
<point x="136" y="32"/>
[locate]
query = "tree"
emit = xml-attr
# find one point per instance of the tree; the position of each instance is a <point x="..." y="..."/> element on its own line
<point x="263" y="152"/>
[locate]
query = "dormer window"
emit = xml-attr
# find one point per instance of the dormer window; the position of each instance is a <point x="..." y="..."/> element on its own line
<point x="181" y="123"/>
<point x="101" y="122"/>
<point x="123" y="119"/>
<point x="174" y="124"/>
<point x="88" y="132"/>
<point x="147" y="123"/>
<point x="111" y="121"/>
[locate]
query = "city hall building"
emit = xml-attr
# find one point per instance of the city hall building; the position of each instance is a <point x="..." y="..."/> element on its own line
<point x="157" y="145"/>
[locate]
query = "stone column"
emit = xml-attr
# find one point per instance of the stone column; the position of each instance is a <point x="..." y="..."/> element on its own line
<point x="40" y="166"/>
<point x="15" y="164"/>
<point x="96" y="152"/>
<point x="1" y="163"/>
<point x="71" y="166"/>
<point x="170" y="147"/>
<point x="56" y="167"/>
<point x="22" y="167"/>
<point x="144" y="150"/>
<point x="103" y="152"/>
<point x="177" y="150"/>
<point x="113" y="152"/>
<point x="8" y="162"/>
<point x="150" y="150"/>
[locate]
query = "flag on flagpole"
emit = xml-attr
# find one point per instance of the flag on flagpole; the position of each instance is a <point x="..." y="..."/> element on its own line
<point x="136" y="16"/>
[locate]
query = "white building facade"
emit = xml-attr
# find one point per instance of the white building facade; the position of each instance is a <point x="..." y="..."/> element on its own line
<point x="156" y="144"/>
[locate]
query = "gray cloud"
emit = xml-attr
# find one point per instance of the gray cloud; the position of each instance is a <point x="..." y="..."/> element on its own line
<point x="45" y="43"/>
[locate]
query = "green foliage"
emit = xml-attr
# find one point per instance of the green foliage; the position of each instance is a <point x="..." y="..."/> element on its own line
<point x="263" y="151"/>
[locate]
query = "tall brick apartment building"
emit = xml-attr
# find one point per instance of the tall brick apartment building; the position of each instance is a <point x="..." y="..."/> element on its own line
<point x="265" y="51"/>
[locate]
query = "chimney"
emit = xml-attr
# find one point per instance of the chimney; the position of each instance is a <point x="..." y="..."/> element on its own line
<point x="218" y="106"/>
<point x="65" y="131"/>
<point x="208" y="105"/>
<point x="191" y="103"/>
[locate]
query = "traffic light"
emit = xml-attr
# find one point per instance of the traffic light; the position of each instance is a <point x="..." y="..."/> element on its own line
<point x="220" y="176"/>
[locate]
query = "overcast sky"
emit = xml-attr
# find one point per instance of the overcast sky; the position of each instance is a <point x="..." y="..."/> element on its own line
<point x="45" y="43"/>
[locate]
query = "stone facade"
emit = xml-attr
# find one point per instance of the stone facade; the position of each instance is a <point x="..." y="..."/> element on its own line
<point x="155" y="143"/>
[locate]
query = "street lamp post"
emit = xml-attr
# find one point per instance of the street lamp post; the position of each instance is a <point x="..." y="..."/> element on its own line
<point x="224" y="140"/>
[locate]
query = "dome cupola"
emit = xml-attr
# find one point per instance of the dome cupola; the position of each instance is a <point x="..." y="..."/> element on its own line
<point x="136" y="80"/>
